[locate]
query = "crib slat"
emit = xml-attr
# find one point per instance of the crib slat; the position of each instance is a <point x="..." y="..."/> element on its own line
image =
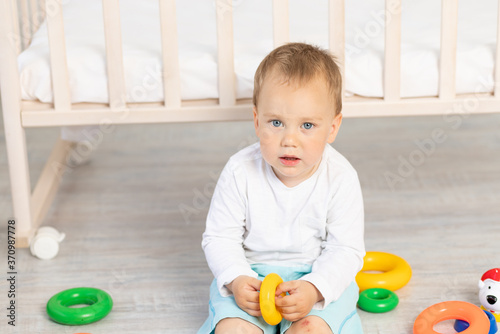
<point x="43" y="11"/>
<point x="114" y="54"/>
<point x="225" y="53"/>
<point x="497" y="57"/>
<point x="392" y="63"/>
<point x="447" y="61"/>
<point x="170" y="57"/>
<point x="33" y="8"/>
<point x="281" y="22"/>
<point x="35" y="16"/>
<point x="25" y="23"/>
<point x="16" y="33"/>
<point x="336" y="29"/>
<point x="58" y="62"/>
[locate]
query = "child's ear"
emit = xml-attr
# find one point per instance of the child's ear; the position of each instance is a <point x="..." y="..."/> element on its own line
<point x="255" y="118"/>
<point x="335" y="128"/>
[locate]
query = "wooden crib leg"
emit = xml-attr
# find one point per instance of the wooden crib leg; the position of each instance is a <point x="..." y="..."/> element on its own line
<point x="17" y="156"/>
<point x="48" y="183"/>
<point x="30" y="209"/>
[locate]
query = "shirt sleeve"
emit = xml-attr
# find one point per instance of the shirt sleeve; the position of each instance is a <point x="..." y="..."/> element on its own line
<point x="225" y="227"/>
<point x="343" y="249"/>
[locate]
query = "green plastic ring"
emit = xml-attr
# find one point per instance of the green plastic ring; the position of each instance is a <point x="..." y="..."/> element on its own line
<point x="59" y="310"/>
<point x="377" y="300"/>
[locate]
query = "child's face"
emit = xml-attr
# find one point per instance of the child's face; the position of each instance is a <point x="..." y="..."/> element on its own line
<point x="294" y="124"/>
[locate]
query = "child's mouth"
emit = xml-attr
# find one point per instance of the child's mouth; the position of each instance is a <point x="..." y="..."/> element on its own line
<point x="289" y="161"/>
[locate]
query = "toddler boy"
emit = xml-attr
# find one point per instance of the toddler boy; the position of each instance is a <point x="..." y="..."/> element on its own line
<point x="289" y="204"/>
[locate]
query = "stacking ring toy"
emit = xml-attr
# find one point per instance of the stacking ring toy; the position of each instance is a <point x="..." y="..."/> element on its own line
<point x="396" y="272"/>
<point x="99" y="305"/>
<point x="377" y="300"/>
<point x="266" y="298"/>
<point x="477" y="319"/>
<point x="461" y="325"/>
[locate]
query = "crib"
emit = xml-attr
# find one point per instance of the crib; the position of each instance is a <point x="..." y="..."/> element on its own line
<point x="21" y="21"/>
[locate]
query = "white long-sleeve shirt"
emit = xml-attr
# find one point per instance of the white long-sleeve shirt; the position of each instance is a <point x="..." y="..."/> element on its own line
<point x="255" y="218"/>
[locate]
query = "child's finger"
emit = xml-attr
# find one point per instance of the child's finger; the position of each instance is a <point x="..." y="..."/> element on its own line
<point x="249" y="302"/>
<point x="292" y="316"/>
<point x="285" y="287"/>
<point x="253" y="312"/>
<point x="255" y="283"/>
<point x="252" y="306"/>
<point x="252" y="297"/>
<point x="288" y="311"/>
<point x="286" y="301"/>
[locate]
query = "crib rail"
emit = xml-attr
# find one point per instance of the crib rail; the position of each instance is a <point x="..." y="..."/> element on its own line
<point x="281" y="22"/>
<point x="225" y="54"/>
<point x="170" y="55"/>
<point x="114" y="54"/>
<point x="449" y="23"/>
<point x="336" y="38"/>
<point x="58" y="62"/>
<point x="497" y="57"/>
<point x="392" y="58"/>
<point x="227" y="107"/>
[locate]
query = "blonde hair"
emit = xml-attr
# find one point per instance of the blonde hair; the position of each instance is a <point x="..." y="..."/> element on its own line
<point x="300" y="62"/>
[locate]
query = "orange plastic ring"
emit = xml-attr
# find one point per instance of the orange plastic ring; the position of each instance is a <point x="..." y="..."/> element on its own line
<point x="477" y="319"/>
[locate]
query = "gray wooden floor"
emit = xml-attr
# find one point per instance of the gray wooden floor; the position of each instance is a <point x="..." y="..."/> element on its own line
<point x="134" y="217"/>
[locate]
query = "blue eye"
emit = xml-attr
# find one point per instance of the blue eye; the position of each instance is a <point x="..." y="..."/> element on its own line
<point x="276" y="123"/>
<point x="307" y="126"/>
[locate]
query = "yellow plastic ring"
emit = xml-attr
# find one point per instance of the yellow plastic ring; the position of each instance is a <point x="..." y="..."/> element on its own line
<point x="266" y="298"/>
<point x="396" y="272"/>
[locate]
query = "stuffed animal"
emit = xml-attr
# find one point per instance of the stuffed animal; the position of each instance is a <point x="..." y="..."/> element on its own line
<point x="489" y="292"/>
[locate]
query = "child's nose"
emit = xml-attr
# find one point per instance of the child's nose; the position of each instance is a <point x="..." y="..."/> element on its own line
<point x="289" y="138"/>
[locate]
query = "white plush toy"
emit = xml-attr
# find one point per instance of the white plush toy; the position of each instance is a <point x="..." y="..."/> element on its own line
<point x="489" y="292"/>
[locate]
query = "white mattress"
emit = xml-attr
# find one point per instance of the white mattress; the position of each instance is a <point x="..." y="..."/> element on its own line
<point x="253" y="40"/>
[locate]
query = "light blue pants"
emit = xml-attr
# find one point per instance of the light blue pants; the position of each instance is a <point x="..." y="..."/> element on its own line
<point x="340" y="315"/>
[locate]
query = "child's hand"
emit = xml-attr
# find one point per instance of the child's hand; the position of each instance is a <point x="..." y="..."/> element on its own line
<point x="246" y="293"/>
<point x="300" y="300"/>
